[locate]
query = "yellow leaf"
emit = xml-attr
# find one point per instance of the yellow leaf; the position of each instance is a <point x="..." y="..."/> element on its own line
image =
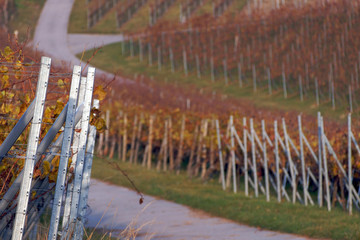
<point x="33" y="194"/>
<point x="46" y="168"/>
<point x="4" y="69"/>
<point x="70" y="161"/>
<point x="61" y="83"/>
<point x="59" y="107"/>
<point x="7" y="51"/>
<point x="100" y="125"/>
<point x="27" y="98"/>
<point x="18" y="74"/>
<point x="55" y="162"/>
<point x="52" y="177"/>
<point x="5" y="81"/>
<point x="100" y="92"/>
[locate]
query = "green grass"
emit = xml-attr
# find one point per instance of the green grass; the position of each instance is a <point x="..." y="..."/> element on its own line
<point x="26" y="17"/>
<point x="206" y="8"/>
<point x="110" y="59"/>
<point x="173" y="13"/>
<point x="139" y="22"/>
<point x="78" y="20"/>
<point x="208" y="196"/>
<point x="107" y="25"/>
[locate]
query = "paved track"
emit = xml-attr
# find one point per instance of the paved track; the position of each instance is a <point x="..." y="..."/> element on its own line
<point x="164" y="219"/>
<point x="168" y="220"/>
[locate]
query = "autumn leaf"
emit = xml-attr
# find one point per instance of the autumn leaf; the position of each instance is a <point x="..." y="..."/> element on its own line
<point x="99" y="92"/>
<point x="60" y="83"/>
<point x="100" y="125"/>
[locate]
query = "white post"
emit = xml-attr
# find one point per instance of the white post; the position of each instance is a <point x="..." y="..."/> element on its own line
<point x="185" y="62"/>
<point x="267" y="190"/>
<point x="140" y="50"/>
<point x="239" y="74"/>
<point x="172" y="60"/>
<point x="245" y="159"/>
<point x="254" y="77"/>
<point x="278" y="185"/>
<point x="317" y="92"/>
<point x="220" y="155"/>
<point x="350" y="100"/>
<point x="301" y="89"/>
<point x="326" y="173"/>
<point x="292" y="167"/>
<point x="198" y="66"/>
<point x="233" y="153"/>
<point x="225" y="72"/>
<point x="75" y="144"/>
<point x="33" y="142"/>
<point x="65" y="152"/>
<point x="82" y="145"/>
<point x="349" y="165"/>
<point x="150" y="54"/>
<point x="302" y="161"/>
<point x="85" y="185"/>
<point x="320" y="192"/>
<point x="269" y="81"/>
<point x="254" y="158"/>
<point x="212" y="69"/>
<point x="284" y="82"/>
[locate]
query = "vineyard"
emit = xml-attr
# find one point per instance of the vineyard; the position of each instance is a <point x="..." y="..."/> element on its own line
<point x="97" y="9"/>
<point x="297" y="158"/>
<point x="125" y="13"/>
<point x="158" y="10"/>
<point x="291" y="50"/>
<point x="50" y="117"/>
<point x="100" y="13"/>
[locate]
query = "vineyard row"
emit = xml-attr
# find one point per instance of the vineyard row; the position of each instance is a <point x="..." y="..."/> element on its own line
<point x="297" y="163"/>
<point x="293" y="50"/>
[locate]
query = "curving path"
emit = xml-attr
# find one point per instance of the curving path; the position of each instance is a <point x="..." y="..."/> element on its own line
<point x="162" y="219"/>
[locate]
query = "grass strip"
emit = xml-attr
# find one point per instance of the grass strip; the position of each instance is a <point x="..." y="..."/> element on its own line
<point x="208" y="196"/>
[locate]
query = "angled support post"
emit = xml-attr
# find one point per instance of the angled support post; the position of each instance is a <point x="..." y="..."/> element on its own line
<point x="65" y="152"/>
<point x="82" y="146"/>
<point x="32" y="146"/>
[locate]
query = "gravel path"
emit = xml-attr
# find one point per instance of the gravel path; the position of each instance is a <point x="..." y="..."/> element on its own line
<point x="163" y="219"/>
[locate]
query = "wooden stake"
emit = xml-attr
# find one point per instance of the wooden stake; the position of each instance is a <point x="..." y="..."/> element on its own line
<point x="138" y="140"/>
<point x="150" y="141"/>
<point x="278" y="185"/>
<point x="246" y="170"/>
<point x="192" y="151"/>
<point x="320" y="140"/>
<point x="222" y="174"/>
<point x="107" y="119"/>
<point x="253" y="150"/>
<point x="349" y="165"/>
<point x="303" y="168"/>
<point x="266" y="170"/>
<point x="233" y="153"/>
<point x="180" y="152"/>
<point x="133" y="139"/>
<point x="124" y="142"/>
<point x="171" y="147"/>
<point x="112" y="148"/>
<point x="166" y="146"/>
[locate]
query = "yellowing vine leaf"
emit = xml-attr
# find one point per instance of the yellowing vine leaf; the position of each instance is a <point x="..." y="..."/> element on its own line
<point x="99" y="92"/>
